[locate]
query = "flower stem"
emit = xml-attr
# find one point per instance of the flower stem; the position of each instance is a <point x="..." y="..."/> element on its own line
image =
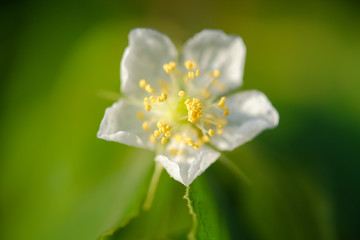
<point x="192" y="233"/>
<point x="235" y="169"/>
<point x="153" y="184"/>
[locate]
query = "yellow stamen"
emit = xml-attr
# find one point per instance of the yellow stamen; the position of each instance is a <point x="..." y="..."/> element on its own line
<point x="197" y="73"/>
<point x="220" y="131"/>
<point x="140" y="115"/>
<point x="147" y="107"/>
<point x="142" y="83"/>
<point x="153" y="99"/>
<point x="181" y="93"/>
<point x="211" y="132"/>
<point x="163" y="140"/>
<point x="194" y="108"/>
<point x="149" y="89"/>
<point x="191" y="75"/>
<point x="172" y="151"/>
<point x="222" y="102"/>
<point x="226" y="111"/>
<point x="189" y="141"/>
<point x="146" y="126"/>
<point x="164" y="96"/>
<point x="156" y="133"/>
<point x="190" y="64"/>
<point x="168" y="134"/>
<point x="205" y="138"/>
<point x="219" y="126"/>
<point x="216" y="73"/>
<point x="152" y="138"/>
<point x="172" y="64"/>
<point x="180" y="152"/>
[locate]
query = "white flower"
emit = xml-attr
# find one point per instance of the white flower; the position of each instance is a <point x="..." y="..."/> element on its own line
<point x="176" y="106"/>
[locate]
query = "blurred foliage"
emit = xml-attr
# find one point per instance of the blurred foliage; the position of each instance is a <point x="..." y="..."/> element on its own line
<point x="59" y="70"/>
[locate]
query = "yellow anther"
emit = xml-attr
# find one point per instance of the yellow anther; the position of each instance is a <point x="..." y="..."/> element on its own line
<point x="220" y="131"/>
<point x="156" y="133"/>
<point x="166" y="127"/>
<point x="197" y="73"/>
<point x="222" y="102"/>
<point x="140" y="115"/>
<point x="146" y="100"/>
<point x="216" y="73"/>
<point x="163" y="140"/>
<point x="178" y="137"/>
<point x="142" y="83"/>
<point x="172" y="151"/>
<point x="211" y="132"/>
<point x="181" y="93"/>
<point x="152" y="138"/>
<point x="190" y="64"/>
<point x="194" y="108"/>
<point x="147" y="107"/>
<point x="180" y="152"/>
<point x="146" y="126"/>
<point x="219" y="126"/>
<point x="196" y="146"/>
<point x="168" y="134"/>
<point x="226" y="111"/>
<point x="153" y="99"/>
<point x="172" y="65"/>
<point x="159" y="124"/>
<point x="189" y="141"/>
<point x="149" y="89"/>
<point x="205" y="93"/>
<point x="205" y="138"/>
<point x="191" y="75"/>
<point x="164" y="96"/>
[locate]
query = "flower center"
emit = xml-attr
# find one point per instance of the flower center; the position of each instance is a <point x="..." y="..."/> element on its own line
<point x="175" y="114"/>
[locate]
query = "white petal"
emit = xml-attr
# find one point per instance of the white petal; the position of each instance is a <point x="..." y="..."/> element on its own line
<point x="144" y="58"/>
<point x="214" y="50"/>
<point x="120" y="124"/>
<point x="190" y="165"/>
<point x="250" y="113"/>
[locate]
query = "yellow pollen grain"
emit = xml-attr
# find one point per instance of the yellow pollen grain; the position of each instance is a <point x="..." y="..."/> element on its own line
<point x="172" y="151"/>
<point x="191" y="75"/>
<point x="216" y="73"/>
<point x="196" y="146"/>
<point x="149" y="89"/>
<point x="172" y="64"/>
<point x="211" y="132"/>
<point x="146" y="126"/>
<point x="168" y="134"/>
<point x="205" y="138"/>
<point x="219" y="126"/>
<point x="156" y="133"/>
<point x="178" y="137"/>
<point x="226" y="111"/>
<point x="153" y="99"/>
<point x="163" y="140"/>
<point x="147" y="107"/>
<point x="140" y="115"/>
<point x="189" y="141"/>
<point x="220" y="131"/>
<point x="180" y="152"/>
<point x="197" y="73"/>
<point x="190" y="64"/>
<point x="142" y="83"/>
<point x="146" y="100"/>
<point x="164" y="96"/>
<point x="152" y="138"/>
<point x="222" y="102"/>
<point x="181" y="93"/>
<point x="159" y="124"/>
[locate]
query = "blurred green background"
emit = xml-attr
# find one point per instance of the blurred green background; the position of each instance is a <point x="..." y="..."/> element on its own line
<point x="59" y="70"/>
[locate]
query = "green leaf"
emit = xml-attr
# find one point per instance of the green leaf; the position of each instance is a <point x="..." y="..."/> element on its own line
<point x="207" y="221"/>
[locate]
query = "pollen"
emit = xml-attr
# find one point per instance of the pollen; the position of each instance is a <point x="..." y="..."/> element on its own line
<point x="152" y="138"/>
<point x="190" y="64"/>
<point x="169" y="67"/>
<point x="152" y="99"/>
<point x="222" y="102"/>
<point x="181" y="93"/>
<point x="197" y="73"/>
<point x="216" y="73"/>
<point x="168" y="134"/>
<point x="142" y="83"/>
<point x="156" y="133"/>
<point x="194" y="108"/>
<point x="146" y="126"/>
<point x="164" y="96"/>
<point x="211" y="132"/>
<point x="191" y="75"/>
<point x="163" y="140"/>
<point x="205" y="138"/>
<point x="140" y="115"/>
<point x="149" y="89"/>
<point x="226" y="111"/>
<point x="219" y="131"/>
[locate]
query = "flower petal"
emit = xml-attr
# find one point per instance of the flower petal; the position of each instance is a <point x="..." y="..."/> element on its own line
<point x="214" y="50"/>
<point x="148" y="50"/>
<point x="250" y="113"/>
<point x="120" y="124"/>
<point x="190" y="165"/>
